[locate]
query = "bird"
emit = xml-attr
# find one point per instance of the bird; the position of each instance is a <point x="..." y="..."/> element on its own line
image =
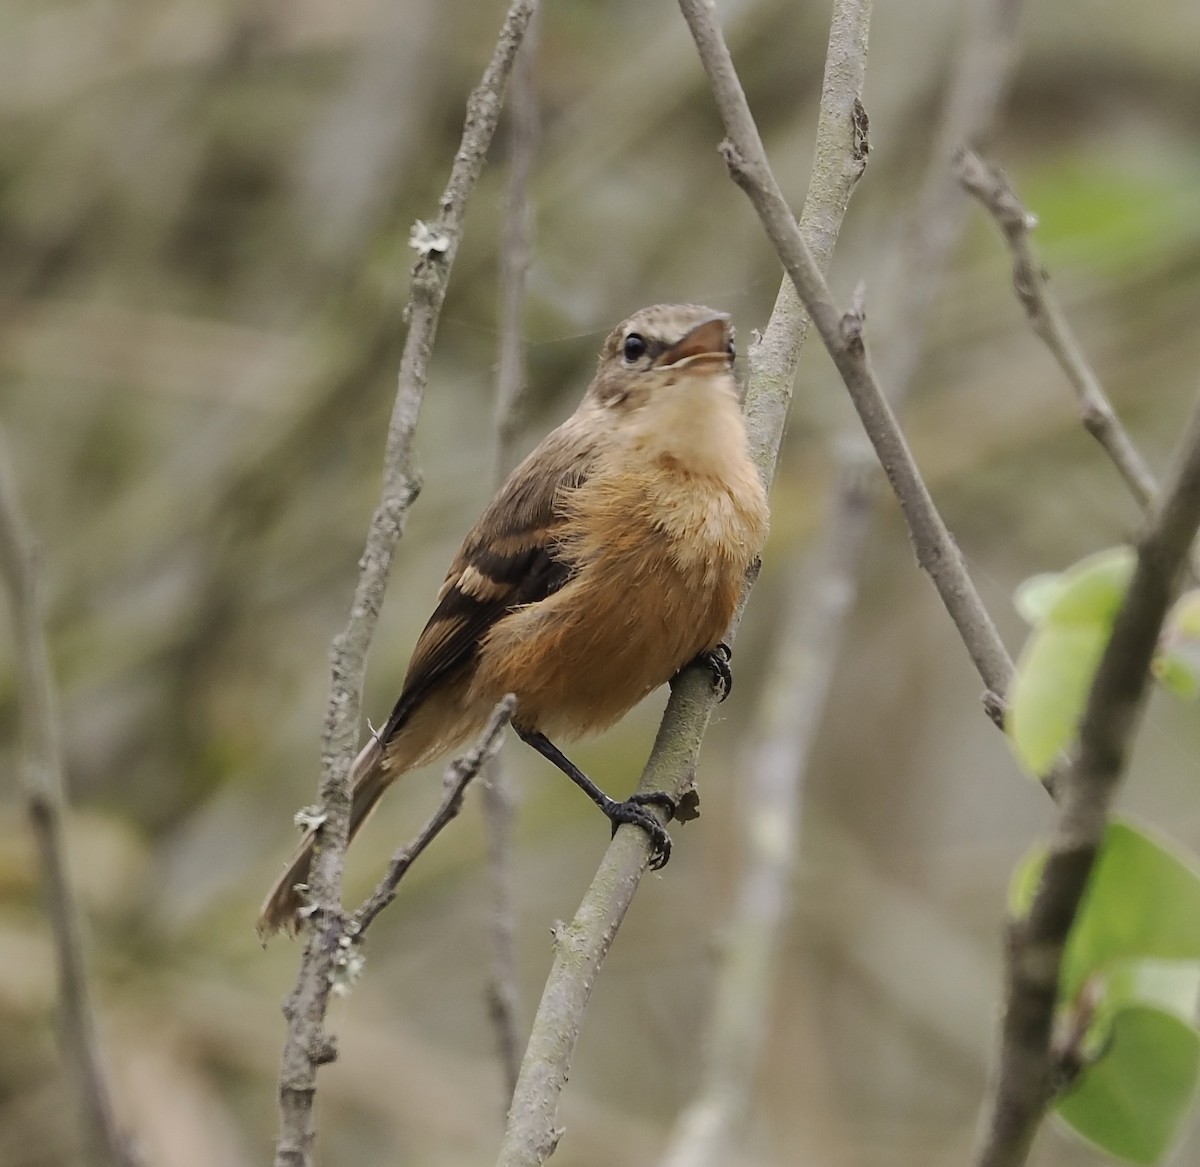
<point x="611" y="558"/>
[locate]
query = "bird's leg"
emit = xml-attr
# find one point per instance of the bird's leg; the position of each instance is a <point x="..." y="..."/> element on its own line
<point x="716" y="660"/>
<point x="629" y="811"/>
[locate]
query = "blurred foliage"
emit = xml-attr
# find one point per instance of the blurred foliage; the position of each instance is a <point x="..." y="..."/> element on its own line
<point x="204" y="208"/>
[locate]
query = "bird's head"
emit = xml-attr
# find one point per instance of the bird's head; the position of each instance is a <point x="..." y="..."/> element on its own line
<point x="680" y="347"/>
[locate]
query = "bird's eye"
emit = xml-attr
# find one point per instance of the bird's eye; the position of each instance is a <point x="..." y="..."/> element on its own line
<point x="635" y="346"/>
<point x="731" y="350"/>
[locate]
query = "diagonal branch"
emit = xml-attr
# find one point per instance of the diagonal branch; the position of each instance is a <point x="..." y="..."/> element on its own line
<point x="307" y="1045"/>
<point x="991" y="187"/>
<point x="458" y="776"/>
<point x="842" y="335"/>
<point x="1023" y="1082"/>
<point x="46" y="801"/>
<point x="581" y="945"/>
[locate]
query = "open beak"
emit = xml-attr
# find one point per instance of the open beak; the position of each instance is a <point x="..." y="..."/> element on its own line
<point x="711" y="338"/>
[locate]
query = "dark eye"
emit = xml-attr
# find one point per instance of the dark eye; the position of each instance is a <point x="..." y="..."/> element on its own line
<point x="731" y="350"/>
<point x="635" y="346"/>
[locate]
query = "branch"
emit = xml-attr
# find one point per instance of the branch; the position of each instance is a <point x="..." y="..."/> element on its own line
<point x="937" y="553"/>
<point x="581" y="946"/>
<point x="455" y="781"/>
<point x="306" y="1045"/>
<point x="1024" y="1081"/>
<point x="502" y="997"/>
<point x="991" y="187"/>
<point x="785" y="728"/>
<point x="815" y="613"/>
<point x="46" y="802"/>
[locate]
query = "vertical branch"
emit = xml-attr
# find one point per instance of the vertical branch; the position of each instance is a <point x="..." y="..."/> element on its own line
<point x="307" y="1046"/>
<point x="581" y="946"/>
<point x="46" y="801"/>
<point x="503" y="1000"/>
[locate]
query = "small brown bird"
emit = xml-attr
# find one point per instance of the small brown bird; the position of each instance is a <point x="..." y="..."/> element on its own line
<point x="611" y="558"/>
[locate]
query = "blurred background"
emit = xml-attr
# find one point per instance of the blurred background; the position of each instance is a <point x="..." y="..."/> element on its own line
<point x="204" y="213"/>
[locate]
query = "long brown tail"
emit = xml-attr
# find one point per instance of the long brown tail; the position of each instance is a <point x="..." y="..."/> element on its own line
<point x="369" y="780"/>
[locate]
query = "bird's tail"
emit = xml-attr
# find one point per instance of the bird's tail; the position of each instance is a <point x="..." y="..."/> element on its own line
<point x="369" y="779"/>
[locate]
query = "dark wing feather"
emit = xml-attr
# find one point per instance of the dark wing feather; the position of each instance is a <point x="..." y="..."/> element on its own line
<point x="510" y="558"/>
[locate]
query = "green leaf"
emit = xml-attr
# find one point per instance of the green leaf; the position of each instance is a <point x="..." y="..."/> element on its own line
<point x="1133" y="959"/>
<point x="1178" y="673"/>
<point x="1184" y="619"/>
<point x="1142" y="902"/>
<point x="1177" y="665"/>
<point x="1035" y="596"/>
<point x="1170" y="985"/>
<point x="1058" y="662"/>
<point x="1133" y="1102"/>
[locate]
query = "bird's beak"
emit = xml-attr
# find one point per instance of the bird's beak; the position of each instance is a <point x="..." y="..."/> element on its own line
<point x="709" y="339"/>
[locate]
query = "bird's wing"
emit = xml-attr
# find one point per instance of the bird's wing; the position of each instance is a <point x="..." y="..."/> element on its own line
<point x="509" y="558"/>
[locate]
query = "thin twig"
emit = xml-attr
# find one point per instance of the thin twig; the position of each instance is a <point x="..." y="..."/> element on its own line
<point x="503" y="1000"/>
<point x="991" y="187"/>
<point x="455" y="781"/>
<point x="937" y="553"/>
<point x="307" y="1045"/>
<point x="1024" y="1079"/>
<point x="46" y="802"/>
<point x="515" y="250"/>
<point x="581" y="946"/>
<point x="784" y="731"/>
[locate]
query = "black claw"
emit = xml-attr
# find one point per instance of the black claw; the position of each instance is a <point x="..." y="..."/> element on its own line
<point x="630" y="811"/>
<point x="655" y="798"/>
<point x="717" y="660"/>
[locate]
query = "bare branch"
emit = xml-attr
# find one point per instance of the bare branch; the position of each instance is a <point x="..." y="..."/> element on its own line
<point x="793" y="699"/>
<point x="46" y="802"/>
<point x="437" y="243"/>
<point x="455" y="781"/>
<point x="1024" y="1081"/>
<point x="502" y="997"/>
<point x="936" y="550"/>
<point x="991" y="187"/>
<point x="580" y="947"/>
<point x="814" y="613"/>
